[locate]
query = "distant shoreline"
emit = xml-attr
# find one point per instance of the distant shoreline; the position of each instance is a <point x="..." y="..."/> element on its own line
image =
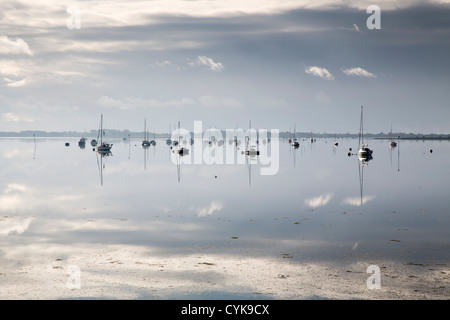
<point x="283" y="135"/>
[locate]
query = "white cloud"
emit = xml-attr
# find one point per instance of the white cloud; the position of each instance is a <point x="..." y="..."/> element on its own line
<point x="14" y="83"/>
<point x="13" y="225"/>
<point x="14" y="46"/>
<point x="167" y="64"/>
<point x="210" y="63"/>
<point x="133" y="103"/>
<point x="358" y="72"/>
<point x="214" y="207"/>
<point x="162" y="64"/>
<point x="319" y="201"/>
<point x="11" y="117"/>
<point x="356" y="201"/>
<point x="319" y="72"/>
<point x="13" y="68"/>
<point x="12" y="187"/>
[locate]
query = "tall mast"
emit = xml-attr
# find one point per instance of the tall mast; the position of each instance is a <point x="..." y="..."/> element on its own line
<point x="101" y="129"/>
<point x="145" y="129"/>
<point x="361" y="128"/>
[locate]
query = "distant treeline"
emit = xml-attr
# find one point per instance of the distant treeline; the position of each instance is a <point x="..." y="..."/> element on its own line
<point x="300" y="135"/>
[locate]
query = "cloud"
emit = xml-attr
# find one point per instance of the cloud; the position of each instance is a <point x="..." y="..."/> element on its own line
<point x="15" y="84"/>
<point x="11" y="117"/>
<point x="319" y="201"/>
<point x="358" y="72"/>
<point x="214" y="207"/>
<point x="12" y="187"/>
<point x="14" y="46"/>
<point x="200" y="61"/>
<point x="356" y="201"/>
<point x="13" y="68"/>
<point x="162" y="64"/>
<point x="210" y="63"/>
<point x="133" y="103"/>
<point x="319" y="72"/>
<point x="167" y="64"/>
<point x="14" y="225"/>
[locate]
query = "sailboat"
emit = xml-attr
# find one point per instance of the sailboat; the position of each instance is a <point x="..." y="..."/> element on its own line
<point x="169" y="141"/>
<point x="392" y="143"/>
<point x="294" y="143"/>
<point x="311" y="139"/>
<point x="153" y="142"/>
<point x="179" y="152"/>
<point x="181" y="149"/>
<point x="251" y="150"/>
<point x="364" y="153"/>
<point x="103" y="146"/>
<point x="145" y="143"/>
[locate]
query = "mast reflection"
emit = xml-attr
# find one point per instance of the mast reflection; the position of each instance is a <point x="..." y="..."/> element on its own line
<point x="100" y="155"/>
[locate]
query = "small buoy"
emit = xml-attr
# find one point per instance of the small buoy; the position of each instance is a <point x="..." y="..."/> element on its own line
<point x="67" y="144"/>
<point x="431" y="150"/>
<point x="349" y="154"/>
<point x="215" y="177"/>
<point x="350" y="149"/>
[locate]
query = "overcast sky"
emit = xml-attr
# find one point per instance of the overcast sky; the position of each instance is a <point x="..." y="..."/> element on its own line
<point x="225" y="62"/>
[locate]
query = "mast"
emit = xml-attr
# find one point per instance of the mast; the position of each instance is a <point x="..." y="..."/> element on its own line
<point x="361" y="129"/>
<point x="145" y="129"/>
<point x="101" y="129"/>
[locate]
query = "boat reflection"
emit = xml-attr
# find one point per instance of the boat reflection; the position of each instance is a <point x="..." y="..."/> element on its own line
<point x="361" y="166"/>
<point x="251" y="158"/>
<point x="391" y="147"/>
<point x="145" y="148"/>
<point x="364" y="158"/>
<point x="82" y="143"/>
<point x="100" y="155"/>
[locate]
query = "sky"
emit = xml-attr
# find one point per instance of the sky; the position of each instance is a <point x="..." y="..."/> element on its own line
<point x="276" y="63"/>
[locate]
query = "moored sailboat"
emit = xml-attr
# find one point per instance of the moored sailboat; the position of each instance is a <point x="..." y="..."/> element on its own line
<point x="103" y="146"/>
<point x="364" y="152"/>
<point x="145" y="143"/>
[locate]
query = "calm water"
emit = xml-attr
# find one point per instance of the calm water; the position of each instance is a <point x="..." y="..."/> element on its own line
<point x="322" y="204"/>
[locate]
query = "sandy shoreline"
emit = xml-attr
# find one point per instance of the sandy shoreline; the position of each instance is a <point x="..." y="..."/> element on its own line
<point x="133" y="273"/>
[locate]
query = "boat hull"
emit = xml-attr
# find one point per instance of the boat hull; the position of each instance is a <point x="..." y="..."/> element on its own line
<point x="104" y="147"/>
<point x="364" y="154"/>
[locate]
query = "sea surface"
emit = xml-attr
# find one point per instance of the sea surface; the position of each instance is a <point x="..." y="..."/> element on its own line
<point x="319" y="202"/>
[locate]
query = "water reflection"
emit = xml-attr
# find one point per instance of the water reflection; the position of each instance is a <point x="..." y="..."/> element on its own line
<point x="34" y="152"/>
<point x="395" y="145"/>
<point x="100" y="155"/>
<point x="145" y="149"/>
<point x="82" y="143"/>
<point x="286" y="210"/>
<point x="361" y="166"/>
